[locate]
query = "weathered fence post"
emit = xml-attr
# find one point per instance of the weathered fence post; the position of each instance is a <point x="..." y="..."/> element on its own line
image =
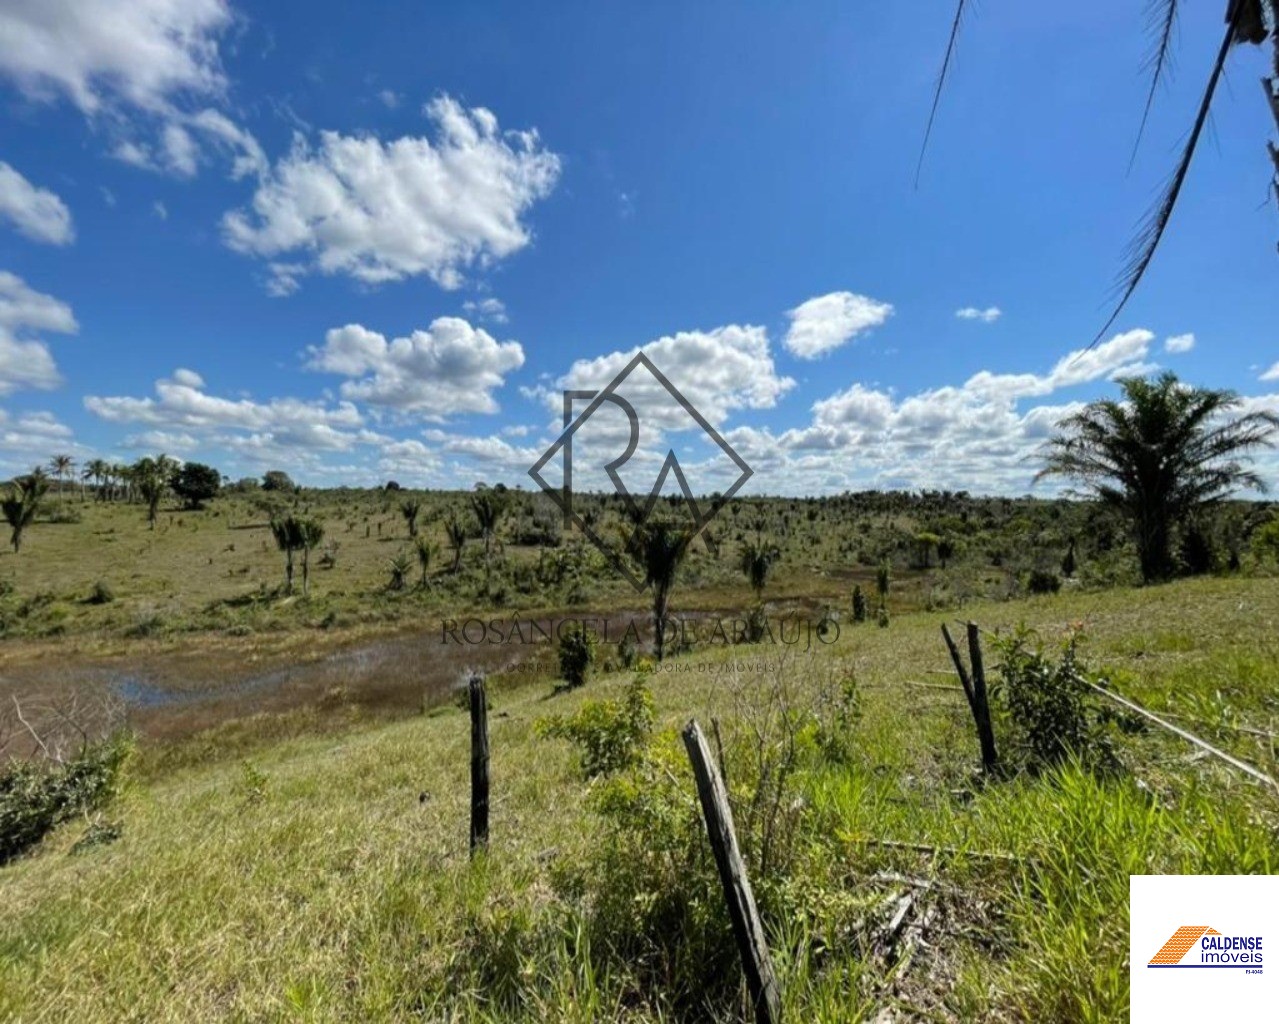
<point x="748" y="930"/>
<point x="975" y="690"/>
<point x="479" y="764"/>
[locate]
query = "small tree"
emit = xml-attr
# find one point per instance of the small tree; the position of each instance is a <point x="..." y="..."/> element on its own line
<point x="945" y="550"/>
<point x="881" y="585"/>
<point x="456" y="529"/>
<point x="150" y="482"/>
<point x="287" y="531"/>
<point x="425" y="551"/>
<point x="21" y="503"/>
<point x="1197" y="555"/>
<point x="578" y="646"/>
<point x="1068" y="563"/>
<point x="399" y="567"/>
<point x="488" y="505"/>
<point x="660" y="546"/>
<point x="410" y="510"/>
<point x="924" y="544"/>
<point x="758" y="558"/>
<point x="278" y="480"/>
<point x="311" y="534"/>
<point x="860" y="605"/>
<point x="1265" y="541"/>
<point x="196" y="483"/>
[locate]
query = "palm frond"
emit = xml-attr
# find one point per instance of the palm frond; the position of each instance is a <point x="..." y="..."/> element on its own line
<point x="1147" y="242"/>
<point x="951" y="44"/>
<point x="1164" y="18"/>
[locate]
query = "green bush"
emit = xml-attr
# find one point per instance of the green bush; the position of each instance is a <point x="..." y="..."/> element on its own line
<point x="610" y="733"/>
<point x="37" y="795"/>
<point x="1052" y="713"/>
<point x="101" y="593"/>
<point x="578" y="646"/>
<point x="1041" y="581"/>
<point x="860" y="604"/>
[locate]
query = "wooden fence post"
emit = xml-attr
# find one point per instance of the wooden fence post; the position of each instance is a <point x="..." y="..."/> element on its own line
<point x="479" y="764"/>
<point x="748" y="930"/>
<point x="981" y="703"/>
<point x="975" y="690"/>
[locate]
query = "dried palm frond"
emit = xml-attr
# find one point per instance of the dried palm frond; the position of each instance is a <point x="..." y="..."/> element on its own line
<point x="960" y="8"/>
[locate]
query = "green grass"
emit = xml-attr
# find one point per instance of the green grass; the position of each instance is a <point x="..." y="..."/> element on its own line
<point x="327" y="878"/>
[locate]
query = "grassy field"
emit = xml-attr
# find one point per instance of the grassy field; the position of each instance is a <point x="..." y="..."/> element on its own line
<point x="326" y="878"/>
<point x="94" y="573"/>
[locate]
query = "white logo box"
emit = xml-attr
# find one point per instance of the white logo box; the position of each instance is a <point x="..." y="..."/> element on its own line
<point x="1215" y="940"/>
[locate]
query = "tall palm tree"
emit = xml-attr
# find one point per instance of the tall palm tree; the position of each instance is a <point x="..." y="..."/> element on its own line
<point x="61" y="466"/>
<point x="1246" y="21"/>
<point x="20" y="504"/>
<point x="97" y="470"/>
<point x="660" y="546"/>
<point x="1164" y="452"/>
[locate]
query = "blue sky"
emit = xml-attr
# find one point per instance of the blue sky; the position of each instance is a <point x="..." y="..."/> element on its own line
<point x="216" y="221"/>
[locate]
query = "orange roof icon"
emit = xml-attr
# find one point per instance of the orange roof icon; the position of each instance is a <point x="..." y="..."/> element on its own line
<point x="1179" y="945"/>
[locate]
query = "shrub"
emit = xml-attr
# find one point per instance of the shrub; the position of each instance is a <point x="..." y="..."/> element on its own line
<point x="1195" y="551"/>
<point x="399" y="567"/>
<point x="1041" y="581"/>
<point x="627" y="651"/>
<point x="101" y="593"/>
<point x="578" y="645"/>
<point x="610" y="733"/>
<point x="881" y="619"/>
<point x="35" y="796"/>
<point x="1051" y="710"/>
<point x="860" y="604"/>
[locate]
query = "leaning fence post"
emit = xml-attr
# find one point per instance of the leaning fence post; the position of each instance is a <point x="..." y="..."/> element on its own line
<point x="479" y="764"/>
<point x="975" y="690"/>
<point x="748" y="930"/>
<point x="981" y="702"/>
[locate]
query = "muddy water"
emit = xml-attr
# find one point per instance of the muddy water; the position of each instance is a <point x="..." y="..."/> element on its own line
<point x="168" y="695"/>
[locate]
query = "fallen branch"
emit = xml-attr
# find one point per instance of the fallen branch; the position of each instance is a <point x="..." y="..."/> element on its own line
<point x="1246" y="729"/>
<point x="34" y="735"/>
<point x="952" y="851"/>
<point x="1243" y="766"/>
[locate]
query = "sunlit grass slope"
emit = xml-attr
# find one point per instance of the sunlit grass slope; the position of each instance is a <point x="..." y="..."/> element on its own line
<point x="328" y="879"/>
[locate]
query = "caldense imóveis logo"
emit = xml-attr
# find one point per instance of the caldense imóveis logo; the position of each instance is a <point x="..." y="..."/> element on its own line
<point x="1200" y="945"/>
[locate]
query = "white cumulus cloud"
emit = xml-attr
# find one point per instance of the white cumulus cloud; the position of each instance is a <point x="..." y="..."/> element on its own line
<point x="25" y="361"/>
<point x="383" y="211"/>
<point x="986" y="316"/>
<point x="1179" y="343"/>
<point x="826" y="322"/>
<point x="446" y="369"/>
<point x="36" y="212"/>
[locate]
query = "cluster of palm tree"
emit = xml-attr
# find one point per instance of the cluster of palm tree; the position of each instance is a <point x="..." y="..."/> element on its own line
<point x="293" y="534"/>
<point x="116" y="481"/>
